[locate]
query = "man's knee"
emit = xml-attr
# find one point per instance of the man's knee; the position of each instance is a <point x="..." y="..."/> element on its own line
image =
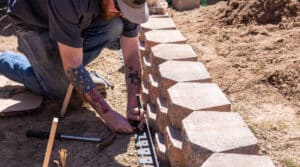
<point x="115" y="28"/>
<point x="11" y="60"/>
<point x="5" y="55"/>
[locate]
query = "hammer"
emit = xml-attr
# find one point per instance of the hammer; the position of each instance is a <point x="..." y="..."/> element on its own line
<point x="102" y="142"/>
<point x="66" y="100"/>
<point x="45" y="135"/>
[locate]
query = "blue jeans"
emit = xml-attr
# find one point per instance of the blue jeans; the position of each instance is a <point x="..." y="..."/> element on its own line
<point x="40" y="68"/>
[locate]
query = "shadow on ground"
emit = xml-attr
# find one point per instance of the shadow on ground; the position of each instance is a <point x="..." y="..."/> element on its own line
<point x="18" y="150"/>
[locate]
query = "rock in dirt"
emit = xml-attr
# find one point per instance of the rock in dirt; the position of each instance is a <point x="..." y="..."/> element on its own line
<point x="15" y="99"/>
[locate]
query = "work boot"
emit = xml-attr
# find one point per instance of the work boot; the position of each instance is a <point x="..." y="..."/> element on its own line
<point x="100" y="81"/>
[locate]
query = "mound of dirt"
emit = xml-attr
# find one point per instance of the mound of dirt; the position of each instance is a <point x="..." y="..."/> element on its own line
<point x="260" y="11"/>
<point x="286" y="81"/>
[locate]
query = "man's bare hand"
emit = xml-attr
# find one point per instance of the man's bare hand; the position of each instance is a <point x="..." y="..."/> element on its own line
<point x="141" y="125"/>
<point x="133" y="114"/>
<point x="117" y="122"/>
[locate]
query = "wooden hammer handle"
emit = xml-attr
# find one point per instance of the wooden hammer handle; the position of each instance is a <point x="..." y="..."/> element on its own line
<point x="66" y="100"/>
<point x="50" y="142"/>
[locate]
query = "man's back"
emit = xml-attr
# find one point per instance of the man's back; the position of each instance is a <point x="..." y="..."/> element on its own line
<point x="36" y="12"/>
<point x="65" y="19"/>
<point x="26" y="13"/>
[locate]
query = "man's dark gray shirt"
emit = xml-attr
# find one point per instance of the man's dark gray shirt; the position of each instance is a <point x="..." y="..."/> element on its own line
<point x="65" y="20"/>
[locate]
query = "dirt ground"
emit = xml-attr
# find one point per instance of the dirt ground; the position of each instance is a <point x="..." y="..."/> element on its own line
<point x="256" y="65"/>
<point x="16" y="150"/>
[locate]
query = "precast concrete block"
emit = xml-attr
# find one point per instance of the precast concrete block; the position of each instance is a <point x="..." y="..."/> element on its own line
<point x="162" y="114"/>
<point x="153" y="87"/>
<point x="156" y="37"/>
<point x="185" y="4"/>
<point x="172" y="72"/>
<point x="146" y="68"/>
<point x="142" y="50"/>
<point x="160" y="146"/>
<point x="152" y="116"/>
<point x="164" y="52"/>
<point x="232" y="160"/>
<point x="145" y="93"/>
<point x="156" y="23"/>
<point x="205" y="133"/>
<point x="174" y="147"/>
<point x="184" y="98"/>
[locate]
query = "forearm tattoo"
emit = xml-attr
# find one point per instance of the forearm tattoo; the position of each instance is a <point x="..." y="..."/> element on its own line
<point x="134" y="76"/>
<point x="82" y="82"/>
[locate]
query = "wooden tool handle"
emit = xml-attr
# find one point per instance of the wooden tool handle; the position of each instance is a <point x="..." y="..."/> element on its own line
<point x="50" y="142"/>
<point x="66" y="100"/>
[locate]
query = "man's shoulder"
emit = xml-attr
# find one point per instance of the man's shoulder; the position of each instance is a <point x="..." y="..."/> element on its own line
<point x="74" y="9"/>
<point x="80" y="6"/>
<point x="28" y="12"/>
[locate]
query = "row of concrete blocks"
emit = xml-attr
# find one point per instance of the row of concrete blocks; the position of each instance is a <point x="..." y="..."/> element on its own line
<point x="177" y="4"/>
<point x="191" y="116"/>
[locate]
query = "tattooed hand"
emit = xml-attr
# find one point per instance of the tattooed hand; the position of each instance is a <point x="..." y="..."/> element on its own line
<point x="82" y="82"/>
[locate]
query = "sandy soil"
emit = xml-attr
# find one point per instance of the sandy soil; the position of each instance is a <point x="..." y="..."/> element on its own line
<point x="257" y="66"/>
<point x="17" y="150"/>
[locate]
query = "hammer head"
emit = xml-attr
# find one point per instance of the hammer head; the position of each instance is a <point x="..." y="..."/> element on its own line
<point x="107" y="140"/>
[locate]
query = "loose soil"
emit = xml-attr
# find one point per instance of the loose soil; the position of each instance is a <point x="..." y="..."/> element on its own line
<point x="17" y="150"/>
<point x="262" y="12"/>
<point x="256" y="63"/>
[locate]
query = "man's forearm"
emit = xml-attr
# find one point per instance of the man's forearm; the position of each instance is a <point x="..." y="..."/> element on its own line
<point x="133" y="70"/>
<point x="82" y="82"/>
<point x="80" y="78"/>
<point x="133" y="81"/>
